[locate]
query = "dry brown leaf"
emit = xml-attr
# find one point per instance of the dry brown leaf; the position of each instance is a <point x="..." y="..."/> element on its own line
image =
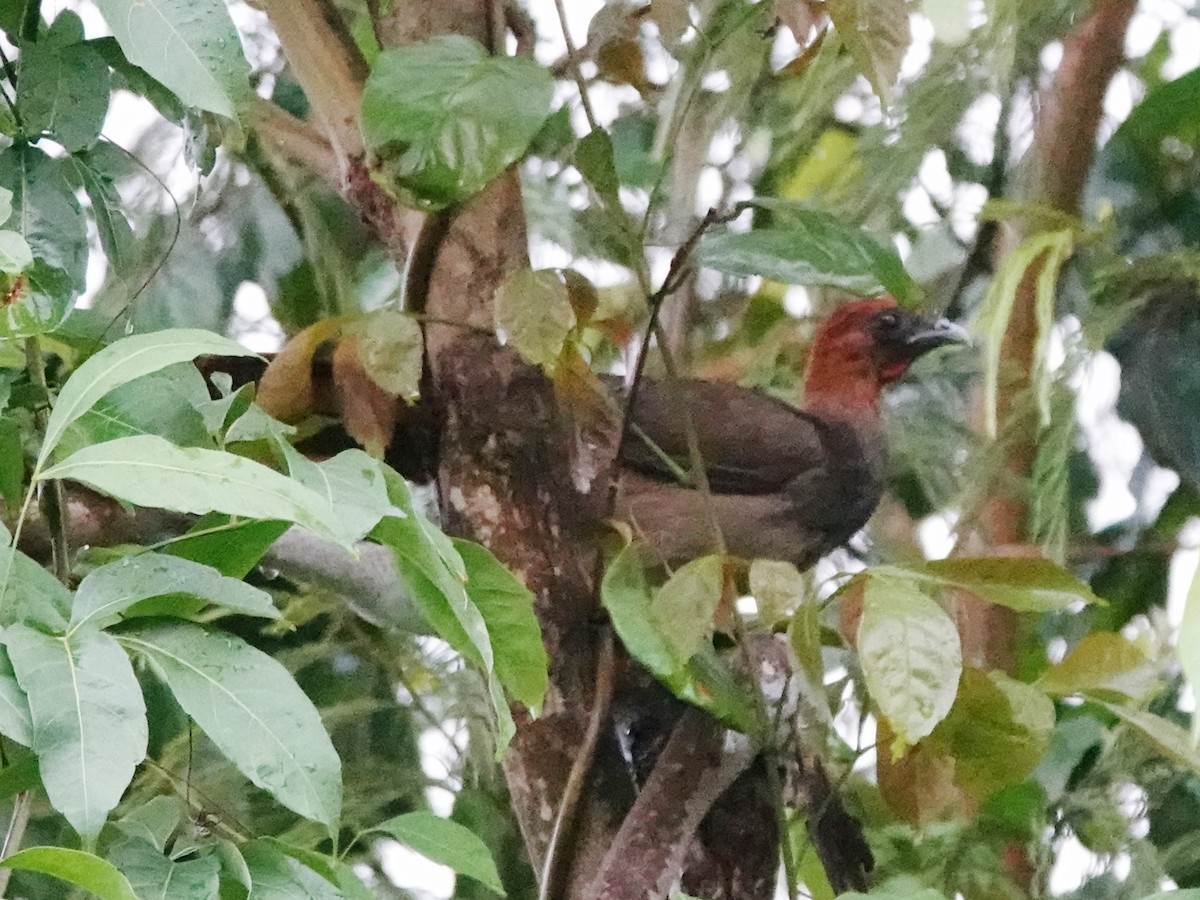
<point x="368" y="412"/>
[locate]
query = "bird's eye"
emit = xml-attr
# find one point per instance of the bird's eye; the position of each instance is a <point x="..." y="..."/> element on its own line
<point x="889" y="320"/>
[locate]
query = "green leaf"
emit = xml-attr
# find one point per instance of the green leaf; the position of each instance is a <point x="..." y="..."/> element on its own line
<point x="507" y="609"/>
<point x="62" y="91"/>
<point x="1168" y="738"/>
<point x="160" y="403"/>
<point x="277" y="876"/>
<point x="703" y="679"/>
<point x="15" y="253"/>
<point x="122" y="362"/>
<point x="78" y="867"/>
<point x="449" y="117"/>
<point x="108" y="210"/>
<point x="136" y="79"/>
<point x="154" y="876"/>
<point x="111" y="589"/>
<point x="148" y="471"/>
<point x="435" y="575"/>
<point x="1053" y="248"/>
<point x="596" y="163"/>
<point x="533" y="309"/>
<point x="1103" y="663"/>
<point x="252" y="709"/>
<point x="352" y="482"/>
<point x="21" y="773"/>
<point x="232" y="549"/>
<point x="31" y="594"/>
<point x="45" y="211"/>
<point x="391" y="349"/>
<point x="684" y="607"/>
<point x="877" y="34"/>
<point x="15" y="720"/>
<point x="997" y="731"/>
<point x="89" y="719"/>
<point x="190" y="46"/>
<point x="447" y="843"/>
<point x="12" y="462"/>
<point x="910" y="654"/>
<point x="1021" y="583"/>
<point x="154" y="821"/>
<point x="810" y="247"/>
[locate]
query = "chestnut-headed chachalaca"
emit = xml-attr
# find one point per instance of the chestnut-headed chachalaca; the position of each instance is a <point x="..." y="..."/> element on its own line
<point x="784" y="482"/>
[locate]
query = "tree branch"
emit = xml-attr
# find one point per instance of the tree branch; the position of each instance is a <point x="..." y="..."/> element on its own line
<point x="328" y="71"/>
<point x="297" y="141"/>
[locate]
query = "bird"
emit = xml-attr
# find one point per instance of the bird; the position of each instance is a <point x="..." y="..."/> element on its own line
<point x="783" y="482"/>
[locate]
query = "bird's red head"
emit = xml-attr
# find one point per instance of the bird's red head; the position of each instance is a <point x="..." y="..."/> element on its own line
<point x="863" y="346"/>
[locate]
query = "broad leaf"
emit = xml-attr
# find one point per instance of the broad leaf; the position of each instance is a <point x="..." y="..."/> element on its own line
<point x="1021" y="583"/>
<point x="507" y="609"/>
<point x="997" y="731"/>
<point x="445" y="842"/>
<point x="89" y="719"/>
<point x="154" y="876"/>
<point x="352" y="482"/>
<point x="62" y="91"/>
<point x="1103" y="663"/>
<point x="233" y="549"/>
<point x="28" y="593"/>
<point x="533" y="310"/>
<point x="155" y="821"/>
<point x="703" y="679"/>
<point x="1188" y="643"/>
<point x="448" y="117"/>
<point x="810" y="247"/>
<point x="252" y="709"/>
<point x="46" y="213"/>
<point x="15" y="721"/>
<point x="910" y="654"/>
<point x="77" y="867"/>
<point x="391" y="349"/>
<point x="122" y="362"/>
<point x="435" y="575"/>
<point x="277" y="876"/>
<point x="148" y="471"/>
<point x="1168" y="738"/>
<point x="161" y="403"/>
<point x="97" y="173"/>
<point x="190" y="46"/>
<point x="684" y="607"/>
<point x="111" y="589"/>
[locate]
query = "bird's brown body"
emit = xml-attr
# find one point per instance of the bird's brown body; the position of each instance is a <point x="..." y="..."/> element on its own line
<point x="784" y="482"/>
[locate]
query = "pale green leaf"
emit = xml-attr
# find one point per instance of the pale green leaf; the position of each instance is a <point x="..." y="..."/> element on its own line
<point x="352" y="482"/>
<point x="148" y="471"/>
<point x="15" y="721"/>
<point x="122" y="362"/>
<point x="252" y="709"/>
<point x="277" y="876"/>
<point x="391" y="349"/>
<point x="154" y="876"/>
<point x="110" y="590"/>
<point x="1188" y="644"/>
<point x="77" y="867"/>
<point x="190" y="46"/>
<point x="15" y="255"/>
<point x="533" y="310"/>
<point x="877" y="34"/>
<point x="89" y="719"/>
<point x="1168" y="738"/>
<point x="684" y="607"/>
<point x="1103" y="662"/>
<point x="910" y="654"/>
<point x="445" y="842"/>
<point x="1053" y="248"/>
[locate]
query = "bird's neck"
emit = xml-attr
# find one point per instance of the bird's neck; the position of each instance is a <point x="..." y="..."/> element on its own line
<point x="844" y="389"/>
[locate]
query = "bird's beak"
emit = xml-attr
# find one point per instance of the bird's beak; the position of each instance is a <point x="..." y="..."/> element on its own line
<point x="927" y="336"/>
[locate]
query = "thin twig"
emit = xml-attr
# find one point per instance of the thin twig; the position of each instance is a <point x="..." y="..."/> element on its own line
<point x="576" y="70"/>
<point x="15" y="833"/>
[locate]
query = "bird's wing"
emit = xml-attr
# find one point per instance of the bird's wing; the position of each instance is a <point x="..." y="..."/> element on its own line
<point x="751" y="443"/>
